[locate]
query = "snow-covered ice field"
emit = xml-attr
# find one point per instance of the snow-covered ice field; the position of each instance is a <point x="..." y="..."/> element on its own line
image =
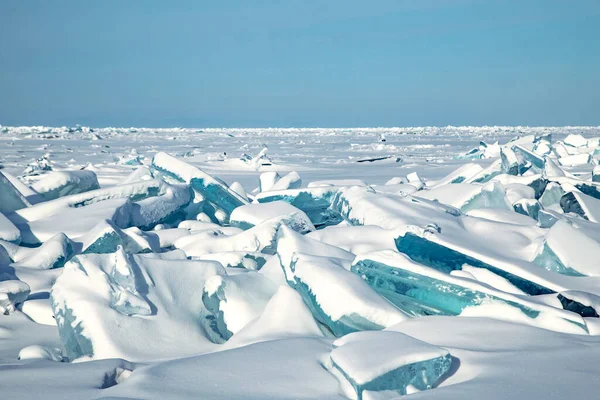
<point x="363" y="263"/>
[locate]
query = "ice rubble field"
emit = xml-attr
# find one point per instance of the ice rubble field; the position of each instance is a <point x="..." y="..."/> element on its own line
<point x="446" y="263"/>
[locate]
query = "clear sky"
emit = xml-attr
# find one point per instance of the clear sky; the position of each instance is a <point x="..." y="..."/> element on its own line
<point x="300" y="63"/>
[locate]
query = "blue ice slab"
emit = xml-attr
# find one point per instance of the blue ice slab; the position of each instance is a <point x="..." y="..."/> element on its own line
<point x="444" y="259"/>
<point x="549" y="260"/>
<point x="419" y="294"/>
<point x="315" y="202"/>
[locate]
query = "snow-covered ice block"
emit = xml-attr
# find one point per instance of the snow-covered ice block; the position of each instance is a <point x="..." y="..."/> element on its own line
<point x="73" y="222"/>
<point x="106" y="237"/>
<point x="512" y="163"/>
<point x="12" y="292"/>
<point x="419" y="290"/>
<point x="460" y="175"/>
<point x="239" y="189"/>
<point x="238" y="259"/>
<point x="249" y="215"/>
<point x="356" y="239"/>
<point x="386" y="364"/>
<point x="575" y="140"/>
<point x="132" y="307"/>
<point x="235" y="300"/>
<point x="289" y="181"/>
<point x="551" y="169"/>
<point x="290" y="242"/>
<point x="53" y="253"/>
<point x="11" y="199"/>
<point x="552" y="194"/>
<point x="141" y="173"/>
<point x="568" y="251"/>
<point x="427" y="250"/>
<point x="168" y="207"/>
<point x="315" y="202"/>
<point x="258" y="239"/>
<point x="41" y="353"/>
<point x="337" y="298"/>
<point x="8" y="231"/>
<point x="529" y="207"/>
<point x="337" y="182"/>
<point x="537" y="162"/>
<point x="488" y="173"/>
<point x="574" y="160"/>
<point x="266" y="180"/>
<point x="586" y="206"/>
<point x="468" y="196"/>
<point x="220" y="200"/>
<point x="64" y="183"/>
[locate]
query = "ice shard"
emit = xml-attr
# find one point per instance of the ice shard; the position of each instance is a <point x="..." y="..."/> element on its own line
<point x="368" y="363"/>
<point x="11" y="198"/>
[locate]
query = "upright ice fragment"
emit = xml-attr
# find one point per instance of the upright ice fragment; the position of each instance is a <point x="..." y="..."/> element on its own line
<point x="11" y="198"/>
<point x="586" y="206"/>
<point x="373" y="363"/>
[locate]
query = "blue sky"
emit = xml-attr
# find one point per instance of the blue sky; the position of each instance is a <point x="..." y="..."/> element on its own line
<point x="300" y="63"/>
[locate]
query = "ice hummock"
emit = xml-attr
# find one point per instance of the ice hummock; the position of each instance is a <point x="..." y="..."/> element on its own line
<point x="368" y="363"/>
<point x="12" y="292"/>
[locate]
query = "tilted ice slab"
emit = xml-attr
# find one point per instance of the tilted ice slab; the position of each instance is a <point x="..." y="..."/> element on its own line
<point x="337" y="298"/>
<point x="356" y="239"/>
<point x="238" y="259"/>
<point x="420" y="290"/>
<point x="247" y="216"/>
<point x="367" y="363"/>
<point x="220" y="199"/>
<point x="447" y="253"/>
<point x="236" y="300"/>
<point x="133" y="307"/>
<point x="313" y="201"/>
<point x="64" y="183"/>
<point x="579" y="203"/>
